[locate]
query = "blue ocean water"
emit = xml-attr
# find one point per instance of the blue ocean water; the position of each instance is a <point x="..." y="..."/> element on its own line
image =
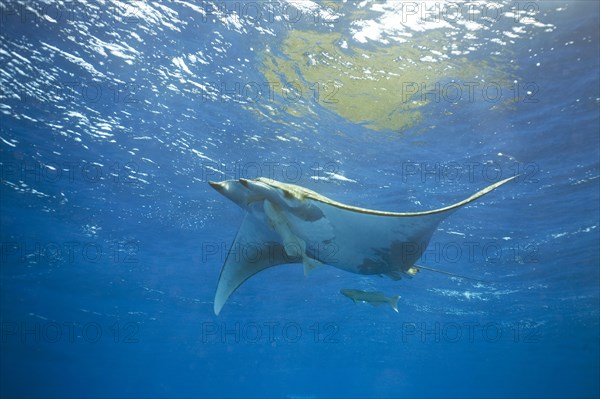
<point x="115" y="115"/>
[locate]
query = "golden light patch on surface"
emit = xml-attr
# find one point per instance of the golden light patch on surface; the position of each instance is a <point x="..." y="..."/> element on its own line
<point x="369" y="85"/>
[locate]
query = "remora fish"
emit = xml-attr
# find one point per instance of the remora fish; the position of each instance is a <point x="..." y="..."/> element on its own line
<point x="286" y="223"/>
<point x="375" y="298"/>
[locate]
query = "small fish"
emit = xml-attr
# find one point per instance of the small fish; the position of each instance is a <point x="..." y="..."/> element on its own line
<point x="375" y="298"/>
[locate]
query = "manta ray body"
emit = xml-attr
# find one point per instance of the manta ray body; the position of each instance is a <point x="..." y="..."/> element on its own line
<point x="286" y="223"/>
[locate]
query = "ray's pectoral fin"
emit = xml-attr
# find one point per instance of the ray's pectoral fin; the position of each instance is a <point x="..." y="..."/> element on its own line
<point x="255" y="248"/>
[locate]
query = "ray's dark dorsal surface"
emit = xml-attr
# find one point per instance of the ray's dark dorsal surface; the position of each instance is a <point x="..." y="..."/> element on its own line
<point x="297" y="225"/>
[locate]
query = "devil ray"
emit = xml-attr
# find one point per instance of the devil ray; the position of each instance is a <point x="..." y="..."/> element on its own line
<point x="286" y="223"/>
